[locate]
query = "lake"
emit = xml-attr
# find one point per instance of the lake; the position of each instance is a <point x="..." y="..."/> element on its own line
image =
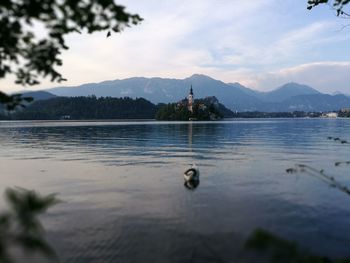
<point x="123" y="188"/>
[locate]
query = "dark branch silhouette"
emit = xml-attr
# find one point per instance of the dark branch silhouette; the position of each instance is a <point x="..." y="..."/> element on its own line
<point x="320" y="174"/>
<point x="337" y="5"/>
<point x="29" y="57"/>
<point x="12" y="101"/>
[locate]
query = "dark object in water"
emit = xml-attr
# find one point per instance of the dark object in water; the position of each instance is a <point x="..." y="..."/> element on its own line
<point x="291" y="170"/>
<point x="191" y="173"/>
<point x="191" y="185"/>
<point x="339" y="163"/>
<point x="191" y="177"/>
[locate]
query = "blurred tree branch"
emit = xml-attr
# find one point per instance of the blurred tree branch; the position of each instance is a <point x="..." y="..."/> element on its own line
<point x="29" y="57"/>
<point x="337" y="5"/>
<point x="20" y="226"/>
<point x="12" y="101"/>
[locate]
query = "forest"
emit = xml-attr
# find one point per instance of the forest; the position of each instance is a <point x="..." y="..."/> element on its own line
<point x="83" y="108"/>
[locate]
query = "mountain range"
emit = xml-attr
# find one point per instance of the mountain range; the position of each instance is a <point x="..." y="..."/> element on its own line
<point x="289" y="97"/>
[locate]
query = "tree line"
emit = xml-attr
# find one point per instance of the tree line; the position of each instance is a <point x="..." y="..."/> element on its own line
<point x="79" y="108"/>
<point x="91" y="107"/>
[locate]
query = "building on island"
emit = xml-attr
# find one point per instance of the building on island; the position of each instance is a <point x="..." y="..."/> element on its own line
<point x="330" y="115"/>
<point x="190" y="101"/>
<point x="189" y="109"/>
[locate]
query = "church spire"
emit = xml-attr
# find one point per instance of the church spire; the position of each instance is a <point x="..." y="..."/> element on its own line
<point x="190" y="100"/>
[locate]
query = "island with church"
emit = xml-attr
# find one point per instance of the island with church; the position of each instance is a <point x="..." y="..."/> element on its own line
<point x="189" y="109"/>
<point x="99" y="108"/>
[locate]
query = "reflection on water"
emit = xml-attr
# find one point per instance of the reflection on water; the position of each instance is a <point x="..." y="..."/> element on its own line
<point x="190" y="136"/>
<point x="125" y="199"/>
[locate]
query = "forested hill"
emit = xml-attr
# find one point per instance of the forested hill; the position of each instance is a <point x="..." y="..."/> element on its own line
<point x="287" y="98"/>
<point x="79" y="108"/>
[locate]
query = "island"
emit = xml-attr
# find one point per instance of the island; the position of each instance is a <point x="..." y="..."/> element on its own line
<point x="94" y="108"/>
<point x="190" y="109"/>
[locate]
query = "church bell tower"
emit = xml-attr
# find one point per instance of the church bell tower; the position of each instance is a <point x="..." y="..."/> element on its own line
<point x="190" y="100"/>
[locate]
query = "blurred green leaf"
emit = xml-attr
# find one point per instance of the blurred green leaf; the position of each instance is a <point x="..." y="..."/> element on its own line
<point x="20" y="227"/>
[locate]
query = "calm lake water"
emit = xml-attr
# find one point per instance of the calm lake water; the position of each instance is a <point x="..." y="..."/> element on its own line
<point x="125" y="200"/>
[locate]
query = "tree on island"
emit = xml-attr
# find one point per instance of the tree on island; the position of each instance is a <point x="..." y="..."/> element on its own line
<point x="28" y="57"/>
<point x="203" y="110"/>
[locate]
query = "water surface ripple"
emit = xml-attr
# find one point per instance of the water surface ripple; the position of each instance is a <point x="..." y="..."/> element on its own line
<point x="124" y="195"/>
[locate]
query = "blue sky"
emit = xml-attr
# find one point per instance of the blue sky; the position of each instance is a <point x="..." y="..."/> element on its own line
<point x="260" y="43"/>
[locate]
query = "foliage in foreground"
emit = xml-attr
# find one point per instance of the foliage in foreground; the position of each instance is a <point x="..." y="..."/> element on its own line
<point x="29" y="56"/>
<point x="12" y="101"/>
<point x="20" y="227"/>
<point x="278" y="249"/>
<point x="337" y="5"/>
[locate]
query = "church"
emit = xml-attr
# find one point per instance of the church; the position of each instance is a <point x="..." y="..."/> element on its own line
<point x="190" y="100"/>
<point x="187" y="102"/>
<point x="189" y="109"/>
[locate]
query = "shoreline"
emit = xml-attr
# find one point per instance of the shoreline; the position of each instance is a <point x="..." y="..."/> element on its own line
<point x="165" y="121"/>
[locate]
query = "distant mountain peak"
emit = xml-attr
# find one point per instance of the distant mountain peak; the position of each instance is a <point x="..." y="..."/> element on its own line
<point x="200" y="76"/>
<point x="292" y="83"/>
<point x="297" y="86"/>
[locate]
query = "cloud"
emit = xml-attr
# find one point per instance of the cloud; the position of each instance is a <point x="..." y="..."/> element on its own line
<point x="327" y="77"/>
<point x="231" y="40"/>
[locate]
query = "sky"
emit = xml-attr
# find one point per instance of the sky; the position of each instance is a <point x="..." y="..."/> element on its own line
<point x="261" y="44"/>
